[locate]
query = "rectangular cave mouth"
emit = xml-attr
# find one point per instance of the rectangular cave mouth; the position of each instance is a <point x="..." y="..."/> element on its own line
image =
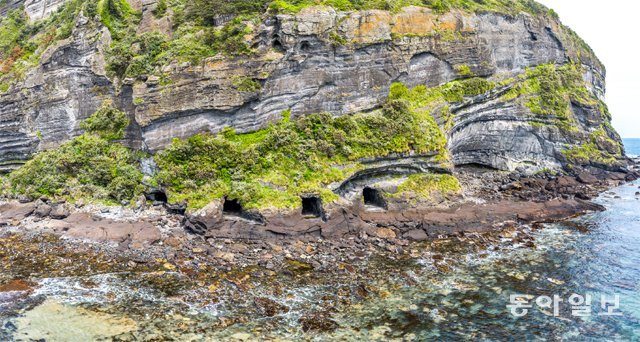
<point x="232" y="207"/>
<point x="373" y="197"/>
<point x="312" y="206"/>
<point x="157" y="196"/>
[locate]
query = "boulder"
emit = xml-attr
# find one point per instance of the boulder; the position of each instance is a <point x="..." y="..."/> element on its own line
<point x="617" y="176"/>
<point x="11" y="213"/>
<point x="59" y="212"/>
<point x="416" y="235"/>
<point x="42" y="209"/>
<point x="176" y="208"/>
<point x="385" y="233"/>
<point x="204" y="219"/>
<point x="24" y="199"/>
<point x="587" y="178"/>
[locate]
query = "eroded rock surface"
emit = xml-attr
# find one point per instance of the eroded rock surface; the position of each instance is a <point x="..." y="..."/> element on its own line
<point x="323" y="60"/>
<point x="300" y="67"/>
<point x="41" y="9"/>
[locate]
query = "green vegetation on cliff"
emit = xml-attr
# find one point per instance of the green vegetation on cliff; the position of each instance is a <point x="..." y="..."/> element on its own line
<point x="116" y="15"/>
<point x="92" y="166"/>
<point x="548" y="91"/>
<point x="440" y="6"/>
<point x="598" y="149"/>
<point x="426" y="187"/>
<point x="455" y="91"/>
<point x="435" y="101"/>
<point x="194" y="38"/>
<point x="554" y="88"/>
<point x="274" y="166"/>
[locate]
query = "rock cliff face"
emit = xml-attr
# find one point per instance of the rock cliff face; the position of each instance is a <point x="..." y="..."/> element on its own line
<point x="9" y="5"/>
<point x="453" y="95"/>
<point x="67" y="86"/>
<point x="35" y="9"/>
<point x="308" y="73"/>
<point x="318" y="60"/>
<point x="41" y="9"/>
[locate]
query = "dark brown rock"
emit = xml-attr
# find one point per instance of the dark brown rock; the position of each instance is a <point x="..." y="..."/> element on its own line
<point x="11" y="212"/>
<point x="42" y="209"/>
<point x="83" y="226"/>
<point x="269" y="308"/>
<point x="583" y="196"/>
<point x="205" y="219"/>
<point x="617" y="176"/>
<point x="318" y="321"/>
<point x="587" y="178"/>
<point x="59" y="212"/>
<point x="416" y="235"/>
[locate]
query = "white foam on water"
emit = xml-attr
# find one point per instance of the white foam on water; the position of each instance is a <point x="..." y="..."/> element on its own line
<point x="108" y="288"/>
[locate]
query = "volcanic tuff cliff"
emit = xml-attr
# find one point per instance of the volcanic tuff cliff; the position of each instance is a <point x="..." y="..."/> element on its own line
<point x="508" y="90"/>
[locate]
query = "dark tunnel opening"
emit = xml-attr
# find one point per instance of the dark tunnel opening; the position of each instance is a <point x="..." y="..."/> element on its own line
<point x="312" y="206"/>
<point x="374" y="197"/>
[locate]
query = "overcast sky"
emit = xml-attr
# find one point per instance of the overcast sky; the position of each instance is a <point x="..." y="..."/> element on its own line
<point x="612" y="29"/>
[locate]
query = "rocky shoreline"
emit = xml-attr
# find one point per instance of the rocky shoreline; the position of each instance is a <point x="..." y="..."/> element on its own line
<point x="492" y="202"/>
<point x="153" y="249"/>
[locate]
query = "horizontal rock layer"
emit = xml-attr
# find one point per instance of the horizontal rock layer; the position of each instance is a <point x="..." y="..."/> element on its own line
<point x="301" y="66"/>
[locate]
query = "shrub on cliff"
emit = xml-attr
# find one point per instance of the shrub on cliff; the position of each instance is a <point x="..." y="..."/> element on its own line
<point x="205" y="12"/>
<point x="90" y="166"/>
<point x="117" y="16"/>
<point x="452" y="92"/>
<point x="107" y="122"/>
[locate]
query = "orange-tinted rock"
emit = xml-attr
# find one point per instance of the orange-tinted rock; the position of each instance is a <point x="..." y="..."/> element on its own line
<point x="17" y="285"/>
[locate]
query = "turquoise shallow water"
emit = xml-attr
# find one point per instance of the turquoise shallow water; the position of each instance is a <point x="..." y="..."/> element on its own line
<point x="632" y="146"/>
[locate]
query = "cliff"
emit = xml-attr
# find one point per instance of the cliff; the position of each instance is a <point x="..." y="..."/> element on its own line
<point x="504" y="87"/>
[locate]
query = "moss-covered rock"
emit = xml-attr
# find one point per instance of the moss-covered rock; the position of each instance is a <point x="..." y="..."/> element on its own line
<point x="599" y="149"/>
<point x="428" y="188"/>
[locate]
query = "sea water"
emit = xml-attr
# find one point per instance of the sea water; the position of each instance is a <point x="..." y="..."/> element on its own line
<point x="632" y="147"/>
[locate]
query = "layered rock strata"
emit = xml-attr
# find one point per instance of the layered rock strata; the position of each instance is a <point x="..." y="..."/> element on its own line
<point x="318" y="60"/>
<point x="323" y="60"/>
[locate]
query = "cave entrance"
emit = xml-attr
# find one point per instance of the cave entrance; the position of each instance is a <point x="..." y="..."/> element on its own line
<point x="278" y="46"/>
<point x="312" y="206"/>
<point x="157" y="196"/>
<point x="232" y="207"/>
<point x="374" y="198"/>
